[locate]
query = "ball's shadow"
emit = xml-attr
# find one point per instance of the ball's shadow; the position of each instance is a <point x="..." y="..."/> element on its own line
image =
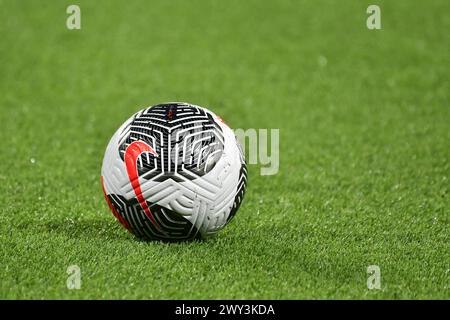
<point x="87" y="229"/>
<point x="99" y="229"/>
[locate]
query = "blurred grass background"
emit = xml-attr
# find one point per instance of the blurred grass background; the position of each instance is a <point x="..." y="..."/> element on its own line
<point x="364" y="145"/>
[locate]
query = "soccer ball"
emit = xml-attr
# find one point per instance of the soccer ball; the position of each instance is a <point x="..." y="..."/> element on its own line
<point x="174" y="171"/>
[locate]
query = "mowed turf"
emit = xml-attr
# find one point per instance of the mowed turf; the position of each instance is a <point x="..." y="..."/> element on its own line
<point x="364" y="146"/>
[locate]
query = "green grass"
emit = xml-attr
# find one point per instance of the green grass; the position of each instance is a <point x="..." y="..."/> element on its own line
<point x="364" y="146"/>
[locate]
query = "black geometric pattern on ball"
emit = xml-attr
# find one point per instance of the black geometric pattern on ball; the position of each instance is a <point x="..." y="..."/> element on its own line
<point x="175" y="227"/>
<point x="242" y="186"/>
<point x="187" y="140"/>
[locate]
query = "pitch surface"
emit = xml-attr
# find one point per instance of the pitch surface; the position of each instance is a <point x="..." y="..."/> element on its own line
<point x="364" y="146"/>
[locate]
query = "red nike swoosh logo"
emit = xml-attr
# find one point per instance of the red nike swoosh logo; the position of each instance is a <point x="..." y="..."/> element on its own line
<point x="132" y="153"/>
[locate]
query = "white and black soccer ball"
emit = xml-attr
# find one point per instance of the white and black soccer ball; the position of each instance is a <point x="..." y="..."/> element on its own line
<point x="174" y="171"/>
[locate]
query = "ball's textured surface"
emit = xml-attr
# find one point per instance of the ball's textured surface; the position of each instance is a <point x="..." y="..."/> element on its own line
<point x="174" y="171"/>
